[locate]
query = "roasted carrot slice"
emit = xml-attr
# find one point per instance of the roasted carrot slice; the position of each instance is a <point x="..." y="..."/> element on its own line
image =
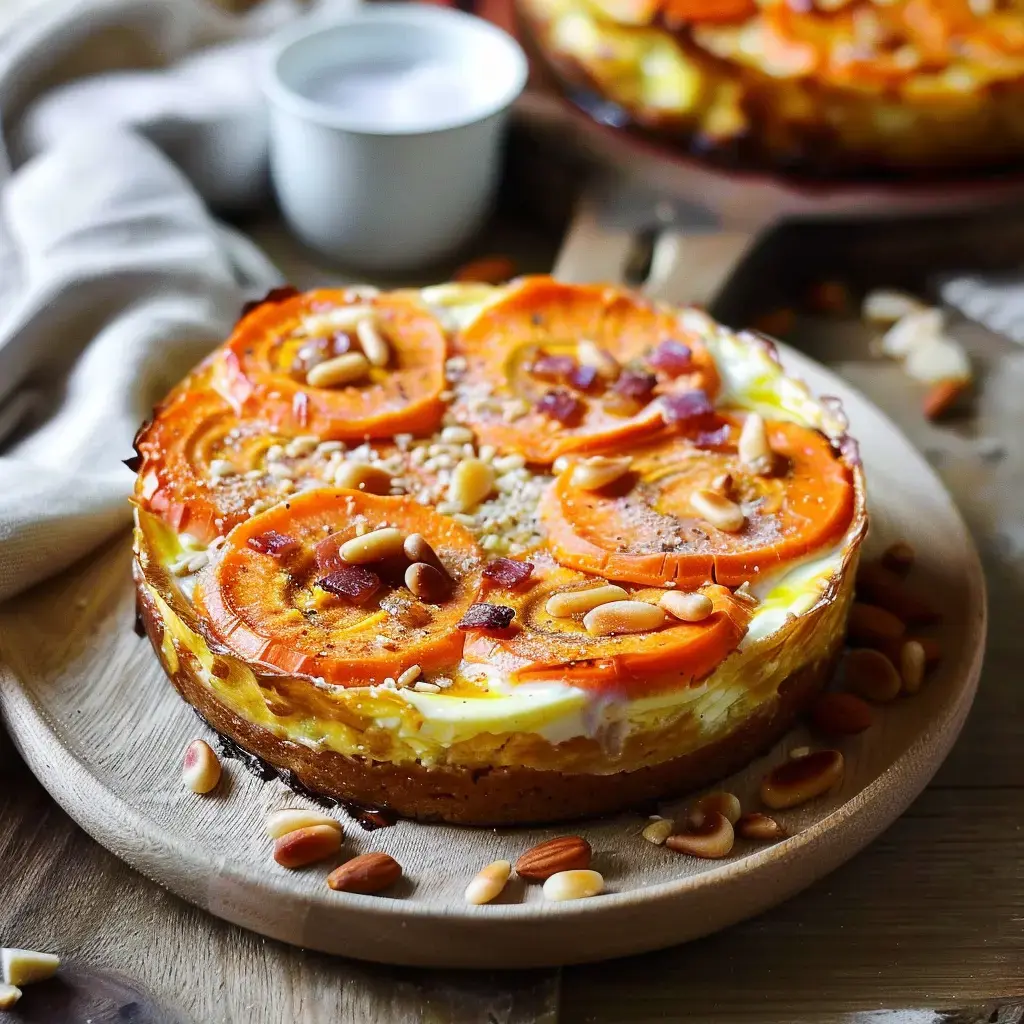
<point x="540" y="646"/>
<point x="279" y="595"/>
<point x="274" y="348"/>
<point x="554" y="368"/>
<point x="646" y="529"/>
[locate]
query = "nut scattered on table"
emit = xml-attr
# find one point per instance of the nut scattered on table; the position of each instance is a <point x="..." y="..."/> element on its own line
<point x="800" y="779"/>
<point x="575" y="884"/>
<point x="659" y="830"/>
<point x="759" y="826"/>
<point x="712" y="839"/>
<point x="291" y="819"/>
<point x="899" y="557"/>
<point x="489" y="882"/>
<point x="9" y="995"/>
<point x="200" y="768"/>
<point x="24" y="966"/>
<point x="719" y="802"/>
<point x="367" y="874"/>
<point x="563" y="853"/>
<point x="307" y="845"/>
<point x="871" y="626"/>
<point x="871" y="675"/>
<point x="841" y="714"/>
<point x="912" y="666"/>
<point x="686" y="607"/>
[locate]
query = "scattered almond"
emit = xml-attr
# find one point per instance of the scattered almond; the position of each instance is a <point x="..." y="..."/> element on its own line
<point x="801" y="779"/>
<point x="291" y="819"/>
<point x="24" y="966"/>
<point x="912" y="666"/>
<point x="367" y="874"/>
<point x="759" y="826"/>
<point x="938" y="359"/>
<point x="720" y="802"/>
<point x="899" y="557"/>
<point x="417" y="549"/>
<point x="829" y="297"/>
<point x="9" y="995"/>
<point x="871" y="675"/>
<point x="489" y="882"/>
<point x="871" y="626"/>
<point x="658" y="831"/>
<point x="486" y="270"/>
<point x="564" y="853"/>
<point x="686" y="607"/>
<point x="942" y="396"/>
<point x="840" y="714"/>
<point x="886" y="589"/>
<point x="575" y="884"/>
<point x="307" y="845"/>
<point x="200" y="768"/>
<point x="712" y="839"/>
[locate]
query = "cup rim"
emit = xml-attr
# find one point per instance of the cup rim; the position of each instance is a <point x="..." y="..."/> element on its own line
<point x="402" y="14"/>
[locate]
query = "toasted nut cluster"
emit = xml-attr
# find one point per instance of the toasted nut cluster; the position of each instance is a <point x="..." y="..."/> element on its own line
<point x="360" y="476"/>
<point x="871" y="675"/>
<point x="307" y="845"/>
<point x="712" y="839"/>
<point x="200" y="768"/>
<point x="291" y="819"/>
<point x="718" y="510"/>
<point x="575" y="884"/>
<point x="800" y="779"/>
<point x="472" y="482"/>
<point x="349" y="368"/>
<point x="24" y="966"/>
<point x="367" y="874"/>
<point x="598" y="471"/>
<point x="659" y="830"/>
<point x="759" y="826"/>
<point x="912" y="665"/>
<point x="374" y="546"/>
<point x="618" y="617"/>
<point x="568" y="603"/>
<point x="840" y="714"/>
<point x="563" y="853"/>
<point x="720" y="802"/>
<point x="488" y="883"/>
<point x="686" y="607"/>
<point x="753" y="448"/>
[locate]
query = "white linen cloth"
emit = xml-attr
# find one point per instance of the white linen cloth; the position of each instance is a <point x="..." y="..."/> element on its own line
<point x="114" y="277"/>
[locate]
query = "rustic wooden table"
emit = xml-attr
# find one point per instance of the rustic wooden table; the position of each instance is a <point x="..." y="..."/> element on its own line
<point x="929" y="919"/>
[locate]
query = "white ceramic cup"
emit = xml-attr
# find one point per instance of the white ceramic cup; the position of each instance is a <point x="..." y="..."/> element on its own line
<point x="377" y="197"/>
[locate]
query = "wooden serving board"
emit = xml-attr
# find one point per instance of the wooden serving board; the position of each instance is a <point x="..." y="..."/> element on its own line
<point x="97" y="722"/>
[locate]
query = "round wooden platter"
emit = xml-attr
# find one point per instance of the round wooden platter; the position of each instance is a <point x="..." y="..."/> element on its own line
<point x="100" y="726"/>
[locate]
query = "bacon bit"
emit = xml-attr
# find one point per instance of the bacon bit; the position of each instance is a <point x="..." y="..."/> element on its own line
<point x="688" y="405"/>
<point x="486" y="270"/>
<point x="672" y="357"/>
<point x="552" y="368"/>
<point x="942" y="396"/>
<point x="273" y="543"/>
<point x="487" y="616"/>
<point x="583" y="378"/>
<point x="635" y="384"/>
<point x="561" y="406"/>
<point x="507" y="572"/>
<point x="355" y="582"/>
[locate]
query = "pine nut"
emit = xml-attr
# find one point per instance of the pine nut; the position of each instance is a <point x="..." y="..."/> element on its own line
<point x="472" y="482"/>
<point x="712" y="839"/>
<point x="726" y="804"/>
<point x="871" y="675"/>
<point x="291" y="819"/>
<point x="343" y="318"/>
<point x="332" y="373"/>
<point x="718" y="510"/>
<point x="307" y="845"/>
<point x="687" y="607"/>
<point x="753" y="447"/>
<point x="759" y="826"/>
<point x="374" y="345"/>
<point x="9" y="995"/>
<point x="24" y="966"/>
<point x="200" y="770"/>
<point x="459" y="435"/>
<point x="573" y="885"/>
<point x="418" y="549"/>
<point x="409" y="676"/>
<point x="801" y="779"/>
<point x="799" y="752"/>
<point x="568" y="603"/>
<point x="911" y="331"/>
<point x="421" y="687"/>
<point x="885" y="306"/>
<point x="599" y="471"/>
<point x="372" y="547"/>
<point x="488" y="883"/>
<point x="658" y="831"/>
<point x="912" y="665"/>
<point x="427" y="584"/>
<point x="220" y="468"/>
<point x="590" y="354"/>
<point x="359" y="476"/>
<point x="618" y="617"/>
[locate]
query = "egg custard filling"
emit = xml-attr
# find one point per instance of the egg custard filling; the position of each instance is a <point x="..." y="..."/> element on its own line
<point x="430" y="534"/>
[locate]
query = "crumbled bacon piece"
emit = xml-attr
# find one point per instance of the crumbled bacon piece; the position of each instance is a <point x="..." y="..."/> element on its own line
<point x="688" y="405"/>
<point x="327" y="553"/>
<point x="672" y="358"/>
<point x="635" y="384"/>
<point x="355" y="582"/>
<point x="562" y="406"/>
<point x="273" y="543"/>
<point x="553" y="368"/>
<point x="487" y="616"/>
<point x="507" y="572"/>
<point x="583" y="378"/>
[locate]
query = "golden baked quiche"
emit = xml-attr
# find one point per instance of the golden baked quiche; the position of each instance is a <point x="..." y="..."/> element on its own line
<point x="841" y="87"/>
<point x="495" y="554"/>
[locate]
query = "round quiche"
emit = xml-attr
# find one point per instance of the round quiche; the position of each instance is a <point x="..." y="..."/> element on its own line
<point x="831" y="87"/>
<point x="495" y="555"/>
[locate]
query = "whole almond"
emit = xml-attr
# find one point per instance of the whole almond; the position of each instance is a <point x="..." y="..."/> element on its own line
<point x="368" y="873"/>
<point x="841" y="714"/>
<point x="566" y="853"/>
<point x="884" y="588"/>
<point x="871" y="626"/>
<point x="871" y="675"/>
<point x="801" y="779"/>
<point x="307" y="845"/>
<point x="759" y="826"/>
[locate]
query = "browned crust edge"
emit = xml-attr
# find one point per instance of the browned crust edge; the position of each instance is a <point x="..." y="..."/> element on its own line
<point x="500" y="795"/>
